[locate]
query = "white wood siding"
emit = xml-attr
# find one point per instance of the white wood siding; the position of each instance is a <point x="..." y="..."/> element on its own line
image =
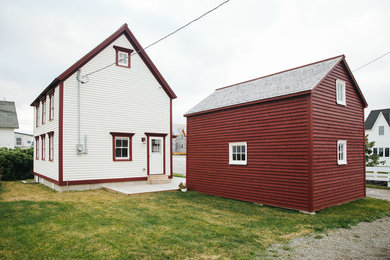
<point x="7" y="137"/>
<point x="46" y="167"/>
<point x="116" y="99"/>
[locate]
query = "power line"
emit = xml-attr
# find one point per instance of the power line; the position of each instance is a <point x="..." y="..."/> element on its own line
<point x="161" y="39"/>
<point x="371" y="61"/>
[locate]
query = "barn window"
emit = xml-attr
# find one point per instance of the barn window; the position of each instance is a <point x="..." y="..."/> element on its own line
<point x="340" y="92"/>
<point x="381" y="130"/>
<point x="121" y="146"/>
<point x="238" y="153"/>
<point x="122" y="56"/>
<point x="342" y="152"/>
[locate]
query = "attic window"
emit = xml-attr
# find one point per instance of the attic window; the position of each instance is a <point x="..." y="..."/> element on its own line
<point x="122" y="57"/>
<point x="340" y="92"/>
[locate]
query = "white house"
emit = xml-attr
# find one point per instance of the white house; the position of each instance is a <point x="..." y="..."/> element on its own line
<point x="108" y="118"/>
<point x="378" y="129"/>
<point x="23" y="140"/>
<point x="8" y="123"/>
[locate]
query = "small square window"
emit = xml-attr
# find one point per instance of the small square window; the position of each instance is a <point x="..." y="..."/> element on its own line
<point x="123" y="56"/>
<point x="342" y="152"/>
<point x="238" y="153"/>
<point x="18" y="141"/>
<point x="340" y="92"/>
<point x="381" y="130"/>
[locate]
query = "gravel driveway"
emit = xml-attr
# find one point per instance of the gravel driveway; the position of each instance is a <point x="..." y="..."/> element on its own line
<point x="364" y="241"/>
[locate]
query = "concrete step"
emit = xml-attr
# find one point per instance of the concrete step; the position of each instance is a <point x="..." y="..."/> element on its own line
<point x="158" y="179"/>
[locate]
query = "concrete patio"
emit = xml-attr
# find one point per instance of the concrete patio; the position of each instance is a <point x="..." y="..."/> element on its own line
<point x="136" y="187"/>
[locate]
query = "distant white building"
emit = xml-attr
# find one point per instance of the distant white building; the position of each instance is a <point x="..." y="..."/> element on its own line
<point x="8" y="123"/>
<point x="23" y="140"/>
<point x="378" y="129"/>
<point x="179" y="138"/>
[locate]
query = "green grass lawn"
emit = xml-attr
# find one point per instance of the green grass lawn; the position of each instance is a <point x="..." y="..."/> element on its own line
<point x="377" y="187"/>
<point x="37" y="222"/>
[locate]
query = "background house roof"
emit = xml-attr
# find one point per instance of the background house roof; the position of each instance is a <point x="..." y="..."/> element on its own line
<point x="372" y="117"/>
<point x="296" y="80"/>
<point x="178" y="128"/>
<point x="8" y="116"/>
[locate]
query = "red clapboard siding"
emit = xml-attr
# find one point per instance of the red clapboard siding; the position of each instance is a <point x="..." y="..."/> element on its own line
<point x="332" y="183"/>
<point x="276" y="133"/>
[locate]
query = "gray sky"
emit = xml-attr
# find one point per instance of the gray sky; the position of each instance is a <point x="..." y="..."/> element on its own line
<point x="244" y="39"/>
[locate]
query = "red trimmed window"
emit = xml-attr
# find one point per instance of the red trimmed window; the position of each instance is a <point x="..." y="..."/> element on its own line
<point x="43" y="142"/>
<point x="37" y="147"/>
<point x="51" y="146"/>
<point x="37" y="115"/>
<point x="121" y="146"/>
<point x="122" y="57"/>
<point x="43" y="111"/>
<point x="51" y="111"/>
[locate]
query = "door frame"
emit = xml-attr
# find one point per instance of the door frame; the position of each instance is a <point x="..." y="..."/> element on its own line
<point x="148" y="151"/>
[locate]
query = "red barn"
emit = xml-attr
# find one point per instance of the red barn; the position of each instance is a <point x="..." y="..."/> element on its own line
<point x="293" y="139"/>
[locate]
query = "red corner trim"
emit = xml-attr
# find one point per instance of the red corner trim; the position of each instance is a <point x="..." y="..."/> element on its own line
<point x="170" y="140"/>
<point x="124" y="29"/>
<point x="60" y="132"/>
<point x="310" y="153"/>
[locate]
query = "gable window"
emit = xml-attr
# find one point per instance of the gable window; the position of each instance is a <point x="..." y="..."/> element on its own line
<point x="342" y="152"/>
<point x="37" y="147"/>
<point x="43" y="142"/>
<point x="121" y="146"/>
<point x="43" y="111"/>
<point x="51" y="146"/>
<point x="37" y="115"/>
<point x="381" y="130"/>
<point x="18" y="141"/>
<point x="51" y="108"/>
<point x="122" y="56"/>
<point x="238" y="153"/>
<point x="340" y="92"/>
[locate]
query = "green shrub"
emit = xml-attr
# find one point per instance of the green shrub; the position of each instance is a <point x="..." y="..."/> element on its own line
<point x="17" y="164"/>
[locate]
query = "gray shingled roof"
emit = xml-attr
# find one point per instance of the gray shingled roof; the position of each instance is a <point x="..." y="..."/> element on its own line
<point x="370" y="121"/>
<point x="8" y="117"/>
<point x="288" y="82"/>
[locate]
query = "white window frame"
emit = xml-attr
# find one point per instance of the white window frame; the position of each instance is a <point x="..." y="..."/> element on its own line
<point x="340" y="92"/>
<point x="238" y="162"/>
<point x="123" y="62"/>
<point x="341" y="152"/>
<point x="381" y="127"/>
<point x="122" y="147"/>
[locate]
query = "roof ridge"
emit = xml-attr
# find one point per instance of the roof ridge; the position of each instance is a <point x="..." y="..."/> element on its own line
<point x="280" y="72"/>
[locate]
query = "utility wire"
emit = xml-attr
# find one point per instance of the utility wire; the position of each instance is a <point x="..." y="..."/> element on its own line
<point x="161" y="39"/>
<point x="371" y="61"/>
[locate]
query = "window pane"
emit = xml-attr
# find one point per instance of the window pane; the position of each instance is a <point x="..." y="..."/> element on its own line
<point x="387" y="152"/>
<point x="234" y="149"/>
<point x="238" y="149"/>
<point x="380" y="152"/>
<point x="124" y="143"/>
<point x="234" y="157"/>
<point x="243" y="157"/>
<point x="375" y="150"/>
<point x="117" y="142"/>
<point x="124" y="152"/>
<point x="118" y="152"/>
<point x="243" y="148"/>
